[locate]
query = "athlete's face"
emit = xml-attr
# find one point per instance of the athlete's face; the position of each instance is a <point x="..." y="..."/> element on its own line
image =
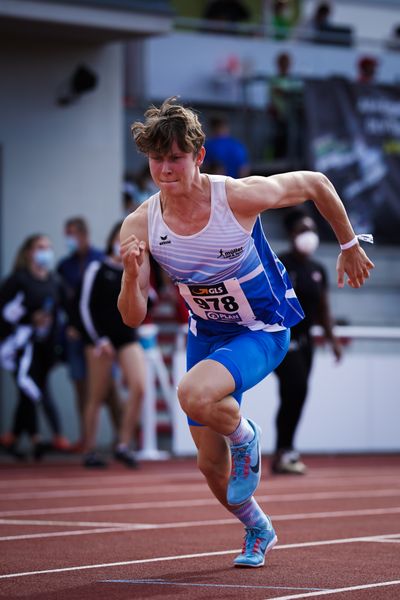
<point x="173" y="173"/>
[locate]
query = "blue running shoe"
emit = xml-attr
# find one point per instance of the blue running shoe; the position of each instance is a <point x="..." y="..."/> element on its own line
<point x="257" y="542"/>
<point x="246" y="469"/>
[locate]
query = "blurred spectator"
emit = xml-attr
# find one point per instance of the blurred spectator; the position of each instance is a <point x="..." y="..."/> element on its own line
<point x="310" y="283"/>
<point x="286" y="110"/>
<point x="393" y="42"/>
<point x="109" y="340"/>
<point x="31" y="301"/>
<point x="232" y="11"/>
<point x="322" y="31"/>
<point x="285" y="15"/>
<point x="137" y="188"/>
<point x="225" y="16"/>
<point x="224" y="151"/>
<point x="71" y="268"/>
<point x="366" y="69"/>
<point x="129" y="203"/>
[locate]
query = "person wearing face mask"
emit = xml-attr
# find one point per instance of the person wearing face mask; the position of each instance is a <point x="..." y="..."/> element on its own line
<point x="80" y="253"/>
<point x="309" y="281"/>
<point x="31" y="303"/>
<point x="108" y="341"/>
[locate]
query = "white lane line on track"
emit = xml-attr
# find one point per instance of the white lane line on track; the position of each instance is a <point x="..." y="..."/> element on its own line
<point x="47" y="523"/>
<point x="352" y="588"/>
<point x="129" y="527"/>
<point x="164" y="504"/>
<point x="128" y="490"/>
<point x="168" y="582"/>
<point x="134" y="482"/>
<point x="142" y="561"/>
<point x="107" y="477"/>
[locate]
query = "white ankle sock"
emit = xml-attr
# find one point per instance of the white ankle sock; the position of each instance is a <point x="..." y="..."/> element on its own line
<point x="243" y="433"/>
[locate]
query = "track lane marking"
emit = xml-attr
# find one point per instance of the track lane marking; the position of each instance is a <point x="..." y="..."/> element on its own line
<point x="384" y="493"/>
<point x="139" y="488"/>
<point x="205" y="585"/>
<point x="352" y="588"/>
<point x="132" y="488"/>
<point x="128" y="527"/>
<point x="143" y="561"/>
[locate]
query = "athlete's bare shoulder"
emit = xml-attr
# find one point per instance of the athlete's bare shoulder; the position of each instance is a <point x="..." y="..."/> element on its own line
<point x="136" y="223"/>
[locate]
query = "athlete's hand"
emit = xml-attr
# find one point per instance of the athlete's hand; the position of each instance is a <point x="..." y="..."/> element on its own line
<point x="355" y="264"/>
<point x="132" y="254"/>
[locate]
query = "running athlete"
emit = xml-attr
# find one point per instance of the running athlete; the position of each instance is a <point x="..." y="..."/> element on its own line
<point x="205" y="231"/>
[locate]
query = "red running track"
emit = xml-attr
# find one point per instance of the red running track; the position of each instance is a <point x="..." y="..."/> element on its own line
<point x="69" y="533"/>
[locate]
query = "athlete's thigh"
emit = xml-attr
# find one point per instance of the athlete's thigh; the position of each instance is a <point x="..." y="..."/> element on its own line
<point x="211" y="377"/>
<point x="251" y="356"/>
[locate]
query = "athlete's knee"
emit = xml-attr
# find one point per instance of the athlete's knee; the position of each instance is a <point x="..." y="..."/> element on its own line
<point x="195" y="399"/>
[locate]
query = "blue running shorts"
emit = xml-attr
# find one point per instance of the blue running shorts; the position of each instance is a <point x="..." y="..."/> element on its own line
<point x="249" y="356"/>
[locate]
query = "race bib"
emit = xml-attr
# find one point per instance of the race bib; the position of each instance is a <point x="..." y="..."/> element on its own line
<point x="223" y="302"/>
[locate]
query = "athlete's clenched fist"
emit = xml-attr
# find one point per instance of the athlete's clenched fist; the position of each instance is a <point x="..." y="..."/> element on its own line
<point x="132" y="254"/>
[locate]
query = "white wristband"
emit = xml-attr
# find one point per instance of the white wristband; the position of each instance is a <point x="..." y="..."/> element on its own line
<point x="365" y="237"/>
<point x="349" y="244"/>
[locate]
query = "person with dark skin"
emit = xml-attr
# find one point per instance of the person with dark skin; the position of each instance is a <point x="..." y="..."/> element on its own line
<point x="309" y="280"/>
<point x="205" y="230"/>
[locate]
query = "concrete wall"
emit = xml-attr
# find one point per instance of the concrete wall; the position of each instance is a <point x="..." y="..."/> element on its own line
<point x="58" y="161"/>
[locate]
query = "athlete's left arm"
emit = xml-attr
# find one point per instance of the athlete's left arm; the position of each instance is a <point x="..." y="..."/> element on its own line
<point x="252" y="195"/>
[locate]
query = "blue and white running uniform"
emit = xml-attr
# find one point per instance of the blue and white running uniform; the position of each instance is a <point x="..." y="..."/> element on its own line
<point x="233" y="284"/>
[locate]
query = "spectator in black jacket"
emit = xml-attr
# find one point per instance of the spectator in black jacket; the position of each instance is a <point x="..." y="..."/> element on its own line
<point x="109" y="340"/>
<point x="31" y="303"/>
<point x="310" y="283"/>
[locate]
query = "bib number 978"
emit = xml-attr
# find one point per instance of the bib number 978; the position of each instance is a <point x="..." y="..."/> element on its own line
<point x="226" y="303"/>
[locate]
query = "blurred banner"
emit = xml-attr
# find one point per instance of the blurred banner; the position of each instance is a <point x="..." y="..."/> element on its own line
<point x="354" y="139"/>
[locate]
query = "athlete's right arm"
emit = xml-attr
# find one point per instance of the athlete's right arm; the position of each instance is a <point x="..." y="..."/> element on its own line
<point x="132" y="300"/>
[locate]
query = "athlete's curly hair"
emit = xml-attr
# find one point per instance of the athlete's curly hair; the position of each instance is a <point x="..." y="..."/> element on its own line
<point x="171" y="122"/>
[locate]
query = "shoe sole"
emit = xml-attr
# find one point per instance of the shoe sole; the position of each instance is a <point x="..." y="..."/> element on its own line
<point x="261" y="564"/>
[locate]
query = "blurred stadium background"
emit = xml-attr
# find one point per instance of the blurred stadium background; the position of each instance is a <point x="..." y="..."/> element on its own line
<point x="75" y="73"/>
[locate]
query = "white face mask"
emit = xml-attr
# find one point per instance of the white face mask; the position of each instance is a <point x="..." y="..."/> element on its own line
<point x="71" y="243"/>
<point x="116" y="248"/>
<point x="44" y="258"/>
<point x="306" y="242"/>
